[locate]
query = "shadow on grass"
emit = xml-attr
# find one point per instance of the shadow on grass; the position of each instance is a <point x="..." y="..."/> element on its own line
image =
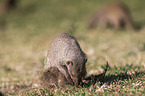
<point x="102" y="78"/>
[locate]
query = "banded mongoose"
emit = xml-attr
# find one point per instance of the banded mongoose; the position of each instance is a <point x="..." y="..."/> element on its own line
<point x="65" y="54"/>
<point x="116" y="14"/>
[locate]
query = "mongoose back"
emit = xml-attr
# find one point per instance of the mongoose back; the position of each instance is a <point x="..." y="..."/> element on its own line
<point x="53" y="78"/>
<point x="115" y="14"/>
<point x="65" y="54"/>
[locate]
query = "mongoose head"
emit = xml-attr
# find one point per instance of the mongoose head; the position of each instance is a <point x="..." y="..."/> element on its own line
<point x="77" y="71"/>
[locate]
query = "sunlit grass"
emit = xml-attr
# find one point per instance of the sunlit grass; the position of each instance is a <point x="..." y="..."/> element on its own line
<point x="28" y="31"/>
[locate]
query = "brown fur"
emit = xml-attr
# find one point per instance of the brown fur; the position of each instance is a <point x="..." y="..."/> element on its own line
<point x="65" y="54"/>
<point x="9" y="5"/>
<point x="53" y="78"/>
<point x="115" y="14"/>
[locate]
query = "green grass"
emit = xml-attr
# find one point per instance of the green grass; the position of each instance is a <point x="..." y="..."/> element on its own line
<point x="27" y="32"/>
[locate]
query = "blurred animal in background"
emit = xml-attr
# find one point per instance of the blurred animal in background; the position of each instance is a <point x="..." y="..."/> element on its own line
<point x="53" y="78"/>
<point x="116" y="15"/>
<point x="8" y="5"/>
<point x="65" y="54"/>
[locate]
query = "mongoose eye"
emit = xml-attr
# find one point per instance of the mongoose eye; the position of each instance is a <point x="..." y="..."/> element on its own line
<point x="69" y="63"/>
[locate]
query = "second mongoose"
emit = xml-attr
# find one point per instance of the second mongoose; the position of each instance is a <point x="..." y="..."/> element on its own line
<point x="116" y="14"/>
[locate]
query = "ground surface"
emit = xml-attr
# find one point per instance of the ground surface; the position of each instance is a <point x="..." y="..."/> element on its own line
<point x="26" y="33"/>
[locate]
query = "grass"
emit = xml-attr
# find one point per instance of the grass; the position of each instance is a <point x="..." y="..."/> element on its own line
<point x="27" y="32"/>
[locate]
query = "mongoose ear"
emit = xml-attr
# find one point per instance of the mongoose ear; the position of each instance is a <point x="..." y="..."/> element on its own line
<point x="69" y="63"/>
